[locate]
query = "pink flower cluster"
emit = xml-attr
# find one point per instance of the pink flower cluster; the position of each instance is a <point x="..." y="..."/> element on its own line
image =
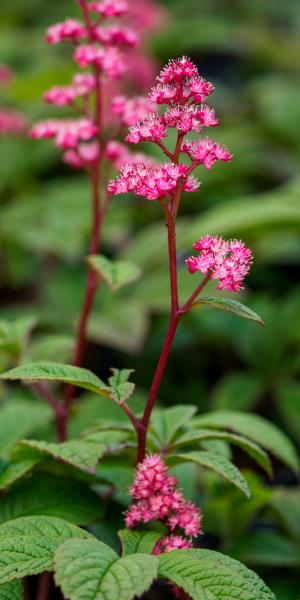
<point x="152" y="182"/>
<point x="156" y="497"/>
<point x="131" y="110"/>
<point x="185" y="92"/>
<point x="82" y="85"/>
<point x="66" y="132"/>
<point x="70" y="30"/>
<point x="227" y="261"/>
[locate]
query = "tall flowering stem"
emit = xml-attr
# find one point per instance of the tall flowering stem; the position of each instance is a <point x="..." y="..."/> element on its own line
<point x="89" y="141"/>
<point x="181" y="88"/>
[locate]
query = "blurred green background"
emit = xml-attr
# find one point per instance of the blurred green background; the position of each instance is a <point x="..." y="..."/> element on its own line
<point x="251" y="51"/>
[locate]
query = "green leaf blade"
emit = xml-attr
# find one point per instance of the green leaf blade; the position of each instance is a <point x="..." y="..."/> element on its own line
<point x="13" y="590"/>
<point x="116" y="274"/>
<point x="209" y="574"/>
<point x="231" y="306"/>
<point x="136" y="542"/>
<point x="90" y="570"/>
<point x="217" y="463"/>
<point x="52" y="371"/>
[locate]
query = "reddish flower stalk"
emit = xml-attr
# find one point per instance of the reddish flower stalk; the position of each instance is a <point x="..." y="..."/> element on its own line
<point x="84" y="141"/>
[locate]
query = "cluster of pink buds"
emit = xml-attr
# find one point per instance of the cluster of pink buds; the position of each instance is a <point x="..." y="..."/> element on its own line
<point x="98" y="45"/>
<point x="227" y="261"/>
<point x="184" y="92"/>
<point x="156" y="497"/>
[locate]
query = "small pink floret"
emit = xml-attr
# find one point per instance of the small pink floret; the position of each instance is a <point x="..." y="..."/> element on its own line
<point x="150" y="129"/>
<point x="115" y="35"/>
<point x="131" y="110"/>
<point x="206" y="152"/>
<point x="109" y="59"/>
<point x="109" y="8"/>
<point x="70" y="30"/>
<point x="171" y="542"/>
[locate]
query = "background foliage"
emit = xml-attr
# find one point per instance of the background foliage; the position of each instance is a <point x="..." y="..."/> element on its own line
<point x="252" y="53"/>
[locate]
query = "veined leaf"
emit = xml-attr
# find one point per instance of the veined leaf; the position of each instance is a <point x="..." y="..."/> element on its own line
<point x="120" y="388"/>
<point x="134" y="542"/>
<point x="27" y="545"/>
<point x="19" y="419"/>
<point x="52" y="371"/>
<point x="165" y="422"/>
<point x="82" y="454"/>
<point x="115" y="273"/>
<point x="251" y="448"/>
<point x="11" y="591"/>
<point x="14" y="471"/>
<point x="266" y="548"/>
<point x="254" y="427"/>
<point x="217" y="463"/>
<point x="209" y="574"/>
<point x="43" y="494"/>
<point x="91" y="570"/>
<point x="229" y="305"/>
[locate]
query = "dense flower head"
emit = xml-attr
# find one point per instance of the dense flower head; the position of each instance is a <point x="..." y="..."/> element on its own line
<point x="196" y="89"/>
<point x="150" y="129"/>
<point x="152" y="182"/>
<point x="115" y="35"/>
<point x="109" y="59"/>
<point x="177" y="70"/>
<point x="131" y="110"/>
<point x="85" y="154"/>
<point x="206" y="152"/>
<point x="61" y="95"/>
<point x="66" y="132"/>
<point x="189" y="118"/>
<point x="227" y="261"/>
<point x="156" y="497"/>
<point x="70" y="30"/>
<point x="109" y="8"/>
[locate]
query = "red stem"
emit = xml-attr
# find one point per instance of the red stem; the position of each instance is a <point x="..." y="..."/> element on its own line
<point x="43" y="586"/>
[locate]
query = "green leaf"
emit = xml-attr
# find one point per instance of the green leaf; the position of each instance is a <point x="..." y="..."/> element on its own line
<point x="217" y="463"/>
<point x="14" y="471"/>
<point x="27" y="545"/>
<point x="251" y="448"/>
<point x="208" y="574"/>
<point x="135" y="542"/>
<point x="19" y="419"/>
<point x="239" y="390"/>
<point x="82" y="454"/>
<point x="14" y="335"/>
<point x="52" y="371"/>
<point x="120" y="388"/>
<point x="256" y="428"/>
<point x="166" y="422"/>
<point x="229" y="305"/>
<point x="13" y="590"/>
<point x="286" y="503"/>
<point x="91" y="570"/>
<point x="266" y="548"/>
<point x="43" y="494"/>
<point x="115" y="273"/>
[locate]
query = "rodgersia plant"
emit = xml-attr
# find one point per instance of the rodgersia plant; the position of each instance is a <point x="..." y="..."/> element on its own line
<point x="63" y="485"/>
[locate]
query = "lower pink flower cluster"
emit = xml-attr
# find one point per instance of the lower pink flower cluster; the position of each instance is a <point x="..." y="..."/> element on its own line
<point x="228" y="261"/>
<point x="152" y="182"/>
<point x="156" y="497"/>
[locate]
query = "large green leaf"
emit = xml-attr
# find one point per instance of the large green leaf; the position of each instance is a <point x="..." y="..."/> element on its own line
<point x="232" y="306"/>
<point x="27" y="545"/>
<point x="251" y="448"/>
<point x="43" y="494"/>
<point x="19" y="419"/>
<point x="91" y="570"/>
<point x="135" y="542"/>
<point x="52" y="371"/>
<point x="115" y="273"/>
<point x="13" y="590"/>
<point x="83" y="454"/>
<point x="14" y="335"/>
<point x="217" y="463"/>
<point x="13" y="471"/>
<point x="207" y="574"/>
<point x="256" y="428"/>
